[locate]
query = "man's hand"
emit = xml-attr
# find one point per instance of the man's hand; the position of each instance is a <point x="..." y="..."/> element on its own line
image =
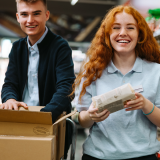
<point x="12" y="104"/>
<point x="97" y="117"/>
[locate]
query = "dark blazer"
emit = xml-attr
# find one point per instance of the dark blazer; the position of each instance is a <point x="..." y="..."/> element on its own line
<point x="55" y="74"/>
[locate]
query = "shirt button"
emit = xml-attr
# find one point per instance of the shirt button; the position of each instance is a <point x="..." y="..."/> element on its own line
<point x="123" y="81"/>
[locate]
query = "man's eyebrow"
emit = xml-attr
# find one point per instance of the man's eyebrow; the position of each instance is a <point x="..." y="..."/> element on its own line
<point x="23" y="12"/>
<point x="38" y="11"/>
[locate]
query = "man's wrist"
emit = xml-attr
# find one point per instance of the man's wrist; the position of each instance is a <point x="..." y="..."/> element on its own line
<point x="13" y="100"/>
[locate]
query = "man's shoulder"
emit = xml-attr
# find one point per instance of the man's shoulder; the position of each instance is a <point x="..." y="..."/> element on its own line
<point x="56" y="39"/>
<point x="20" y="42"/>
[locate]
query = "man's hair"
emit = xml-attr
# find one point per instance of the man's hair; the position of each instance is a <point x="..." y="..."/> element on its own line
<point x="33" y="1"/>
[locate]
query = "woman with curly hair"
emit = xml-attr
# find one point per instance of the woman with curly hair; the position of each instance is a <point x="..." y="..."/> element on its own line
<point x="122" y="51"/>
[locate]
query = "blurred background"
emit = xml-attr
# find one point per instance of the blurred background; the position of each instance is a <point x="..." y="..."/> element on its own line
<point x="76" y="21"/>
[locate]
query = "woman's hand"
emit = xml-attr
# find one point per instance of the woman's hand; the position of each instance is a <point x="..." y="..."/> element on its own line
<point x="97" y="117"/>
<point x="139" y="103"/>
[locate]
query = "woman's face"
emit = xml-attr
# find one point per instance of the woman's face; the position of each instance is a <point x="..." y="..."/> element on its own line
<point x="124" y="34"/>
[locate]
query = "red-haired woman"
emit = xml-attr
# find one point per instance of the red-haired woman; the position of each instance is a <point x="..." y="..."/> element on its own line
<point x="122" y="51"/>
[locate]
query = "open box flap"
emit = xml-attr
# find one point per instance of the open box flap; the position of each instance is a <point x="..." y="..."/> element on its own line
<point x="32" y="115"/>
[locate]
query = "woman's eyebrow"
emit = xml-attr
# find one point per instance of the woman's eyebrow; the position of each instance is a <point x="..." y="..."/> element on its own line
<point x="116" y="23"/>
<point x="131" y="24"/>
<point x="127" y="24"/>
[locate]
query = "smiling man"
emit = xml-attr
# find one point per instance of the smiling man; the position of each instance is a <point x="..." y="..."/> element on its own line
<point x="40" y="69"/>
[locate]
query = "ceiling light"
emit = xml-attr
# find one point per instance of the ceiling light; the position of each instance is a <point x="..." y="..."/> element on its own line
<point x="73" y="2"/>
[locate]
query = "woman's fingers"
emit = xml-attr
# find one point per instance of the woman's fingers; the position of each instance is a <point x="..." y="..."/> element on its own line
<point x="102" y="118"/>
<point x="97" y="117"/>
<point x="92" y="110"/>
<point x="134" y="107"/>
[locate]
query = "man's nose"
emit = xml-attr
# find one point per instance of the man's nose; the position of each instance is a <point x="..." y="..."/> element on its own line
<point x="30" y="19"/>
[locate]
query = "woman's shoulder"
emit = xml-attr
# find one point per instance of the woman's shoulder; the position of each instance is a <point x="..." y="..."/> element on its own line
<point x="152" y="65"/>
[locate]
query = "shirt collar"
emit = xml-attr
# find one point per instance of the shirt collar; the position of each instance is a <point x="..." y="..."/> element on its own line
<point x="111" y="67"/>
<point x="35" y="47"/>
<point x="137" y="66"/>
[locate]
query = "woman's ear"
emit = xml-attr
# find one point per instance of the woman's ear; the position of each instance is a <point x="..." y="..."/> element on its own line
<point x="139" y="40"/>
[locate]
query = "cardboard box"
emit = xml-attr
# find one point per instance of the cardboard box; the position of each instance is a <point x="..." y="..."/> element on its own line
<point x="27" y="148"/>
<point x="30" y="135"/>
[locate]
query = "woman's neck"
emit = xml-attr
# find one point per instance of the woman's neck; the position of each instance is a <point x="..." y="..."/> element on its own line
<point x="124" y="62"/>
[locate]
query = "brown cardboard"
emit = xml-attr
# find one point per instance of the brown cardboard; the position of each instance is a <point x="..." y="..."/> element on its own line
<point x="27" y="148"/>
<point x="33" y="128"/>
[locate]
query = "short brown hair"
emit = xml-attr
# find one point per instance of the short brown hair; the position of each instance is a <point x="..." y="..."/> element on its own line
<point x="33" y="1"/>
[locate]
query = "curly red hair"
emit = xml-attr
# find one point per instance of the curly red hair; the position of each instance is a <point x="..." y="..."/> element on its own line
<point x="100" y="52"/>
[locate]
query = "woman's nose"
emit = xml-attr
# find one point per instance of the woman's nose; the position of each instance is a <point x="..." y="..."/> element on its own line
<point x="123" y="32"/>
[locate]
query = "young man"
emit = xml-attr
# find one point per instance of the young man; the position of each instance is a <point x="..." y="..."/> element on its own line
<point x="40" y="70"/>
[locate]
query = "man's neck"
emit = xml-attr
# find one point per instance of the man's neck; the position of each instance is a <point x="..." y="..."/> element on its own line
<point x="34" y="38"/>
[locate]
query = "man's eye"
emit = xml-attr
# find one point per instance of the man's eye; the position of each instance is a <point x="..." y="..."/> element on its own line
<point x="23" y="14"/>
<point x="37" y="14"/>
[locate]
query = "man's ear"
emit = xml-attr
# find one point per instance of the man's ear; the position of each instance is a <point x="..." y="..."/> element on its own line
<point x="17" y="15"/>
<point x="47" y="15"/>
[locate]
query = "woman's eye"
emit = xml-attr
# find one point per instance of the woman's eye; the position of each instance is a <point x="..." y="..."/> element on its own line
<point x="116" y="27"/>
<point x="130" y="28"/>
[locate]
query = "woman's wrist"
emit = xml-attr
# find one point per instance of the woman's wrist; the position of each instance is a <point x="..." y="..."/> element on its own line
<point x="148" y="109"/>
<point x="89" y="118"/>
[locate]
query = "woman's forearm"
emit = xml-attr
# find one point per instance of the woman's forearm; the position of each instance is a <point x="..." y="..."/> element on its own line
<point x="154" y="117"/>
<point x="84" y="120"/>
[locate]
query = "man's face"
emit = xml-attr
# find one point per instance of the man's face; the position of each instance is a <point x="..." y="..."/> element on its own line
<point x="32" y="18"/>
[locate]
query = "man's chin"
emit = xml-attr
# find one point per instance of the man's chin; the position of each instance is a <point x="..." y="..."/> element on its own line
<point x="31" y="33"/>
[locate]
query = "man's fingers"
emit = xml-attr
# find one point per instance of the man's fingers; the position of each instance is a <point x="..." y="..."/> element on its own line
<point x="22" y="104"/>
<point x="15" y="106"/>
<point x="2" y="106"/>
<point x="5" y="106"/>
<point x="10" y="106"/>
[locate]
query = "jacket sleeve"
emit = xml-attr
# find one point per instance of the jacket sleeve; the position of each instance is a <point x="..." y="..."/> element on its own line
<point x="64" y="79"/>
<point x="10" y="86"/>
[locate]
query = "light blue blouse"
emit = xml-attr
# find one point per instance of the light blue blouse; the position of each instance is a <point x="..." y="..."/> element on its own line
<point x="124" y="134"/>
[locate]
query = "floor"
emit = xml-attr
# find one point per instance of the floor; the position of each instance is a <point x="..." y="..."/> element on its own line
<point x="81" y="136"/>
